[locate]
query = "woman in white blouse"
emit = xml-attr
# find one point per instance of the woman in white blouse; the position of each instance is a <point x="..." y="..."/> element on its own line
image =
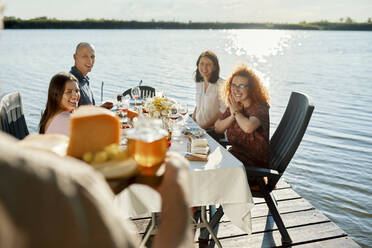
<point x="209" y="104"/>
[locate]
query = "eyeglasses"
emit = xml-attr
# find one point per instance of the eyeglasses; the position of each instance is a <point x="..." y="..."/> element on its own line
<point x="240" y="87"/>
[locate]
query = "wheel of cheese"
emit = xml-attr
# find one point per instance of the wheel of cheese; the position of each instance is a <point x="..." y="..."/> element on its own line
<point x="91" y="129"/>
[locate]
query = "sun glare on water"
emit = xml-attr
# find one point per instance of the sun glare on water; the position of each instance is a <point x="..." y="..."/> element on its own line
<point x="257" y="46"/>
<point x="258" y="43"/>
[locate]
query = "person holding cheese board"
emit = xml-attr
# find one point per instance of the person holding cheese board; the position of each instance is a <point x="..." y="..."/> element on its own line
<point x="51" y="201"/>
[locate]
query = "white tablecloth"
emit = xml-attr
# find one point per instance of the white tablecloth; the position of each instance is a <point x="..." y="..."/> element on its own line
<point x="221" y="180"/>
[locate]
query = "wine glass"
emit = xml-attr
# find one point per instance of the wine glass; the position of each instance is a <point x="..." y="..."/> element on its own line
<point x="173" y="116"/>
<point x="183" y="110"/>
<point x="125" y="103"/>
<point x="123" y="106"/>
<point x="119" y="101"/>
<point x="158" y="93"/>
<point x="174" y="109"/>
<point x="136" y="93"/>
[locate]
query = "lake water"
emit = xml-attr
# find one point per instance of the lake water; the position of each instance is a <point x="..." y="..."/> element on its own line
<point x="333" y="165"/>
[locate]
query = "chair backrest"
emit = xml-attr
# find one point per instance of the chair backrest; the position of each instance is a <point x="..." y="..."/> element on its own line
<point x="289" y="133"/>
<point x="146" y="91"/>
<point x="12" y="117"/>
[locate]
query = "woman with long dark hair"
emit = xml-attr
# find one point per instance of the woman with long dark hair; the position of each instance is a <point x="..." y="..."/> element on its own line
<point x="63" y="99"/>
<point x="209" y="104"/>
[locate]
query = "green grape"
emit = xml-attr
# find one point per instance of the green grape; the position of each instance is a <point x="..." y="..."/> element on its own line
<point x="112" y="151"/>
<point x="100" y="157"/>
<point x="121" y="155"/>
<point x="88" y="157"/>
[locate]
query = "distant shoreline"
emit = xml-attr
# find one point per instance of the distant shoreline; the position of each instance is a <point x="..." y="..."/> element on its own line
<point x="46" y="23"/>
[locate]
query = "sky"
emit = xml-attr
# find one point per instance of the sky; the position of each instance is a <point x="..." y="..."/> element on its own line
<point x="283" y="11"/>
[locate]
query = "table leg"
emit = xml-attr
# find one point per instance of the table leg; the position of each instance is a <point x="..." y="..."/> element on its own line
<point x="209" y="228"/>
<point x="149" y="230"/>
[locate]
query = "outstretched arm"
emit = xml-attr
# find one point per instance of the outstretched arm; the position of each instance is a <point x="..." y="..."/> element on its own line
<point x="174" y="229"/>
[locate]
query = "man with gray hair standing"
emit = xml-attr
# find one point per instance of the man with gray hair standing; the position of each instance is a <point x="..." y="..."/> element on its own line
<point x="84" y="58"/>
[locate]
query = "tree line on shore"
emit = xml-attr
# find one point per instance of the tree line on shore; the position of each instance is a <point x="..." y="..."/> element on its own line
<point x="52" y="23"/>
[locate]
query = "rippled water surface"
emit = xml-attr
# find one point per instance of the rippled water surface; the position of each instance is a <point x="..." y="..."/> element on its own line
<point x="333" y="165"/>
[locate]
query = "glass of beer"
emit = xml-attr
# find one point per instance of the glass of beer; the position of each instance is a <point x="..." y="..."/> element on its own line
<point x="148" y="144"/>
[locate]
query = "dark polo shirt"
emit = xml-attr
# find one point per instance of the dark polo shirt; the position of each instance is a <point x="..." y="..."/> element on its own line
<point x="86" y="94"/>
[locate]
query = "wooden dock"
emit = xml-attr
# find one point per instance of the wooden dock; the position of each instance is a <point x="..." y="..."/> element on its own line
<point x="307" y="226"/>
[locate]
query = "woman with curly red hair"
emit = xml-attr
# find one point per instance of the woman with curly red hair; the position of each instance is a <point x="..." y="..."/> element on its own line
<point x="246" y="120"/>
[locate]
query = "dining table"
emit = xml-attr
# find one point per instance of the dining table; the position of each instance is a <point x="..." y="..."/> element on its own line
<point x="221" y="180"/>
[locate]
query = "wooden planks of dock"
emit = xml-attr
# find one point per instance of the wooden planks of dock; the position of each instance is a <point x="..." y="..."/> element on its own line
<point x="307" y="226"/>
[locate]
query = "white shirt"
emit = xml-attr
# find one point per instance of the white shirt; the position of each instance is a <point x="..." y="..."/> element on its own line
<point x="208" y="102"/>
